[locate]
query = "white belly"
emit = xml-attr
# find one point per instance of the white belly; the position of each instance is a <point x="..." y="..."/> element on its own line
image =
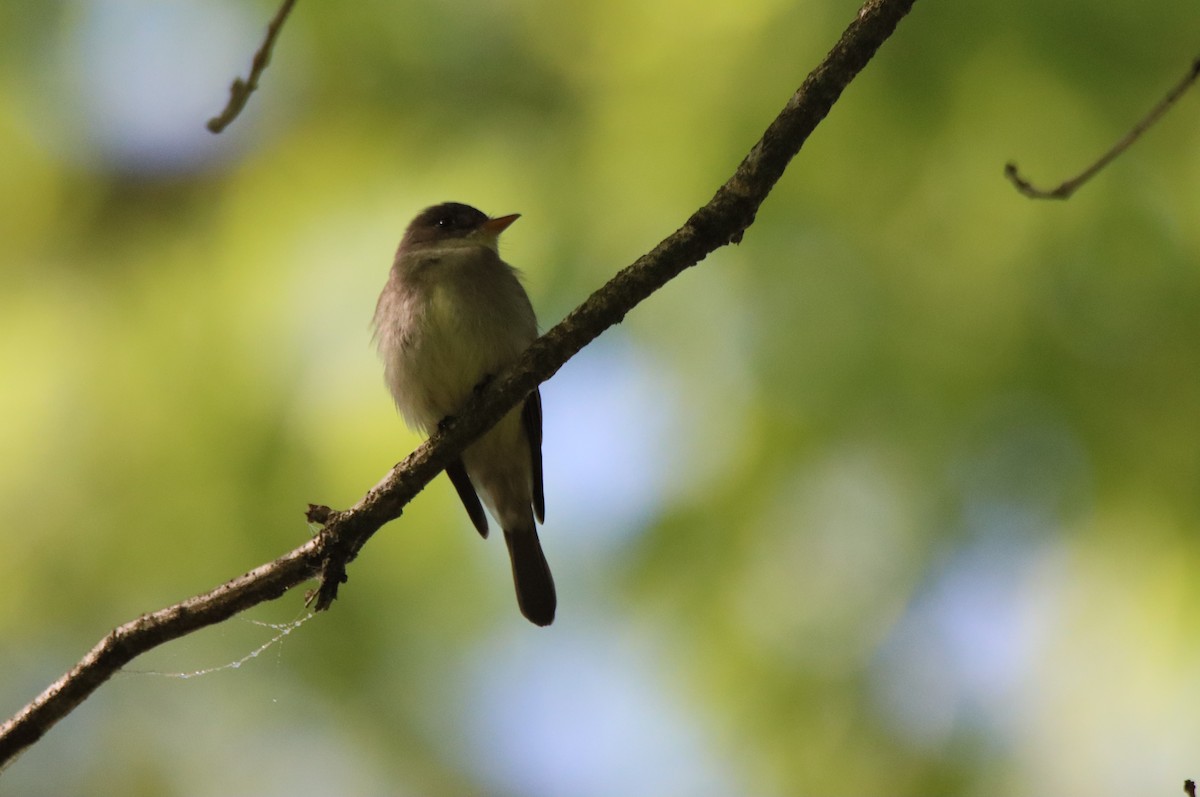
<point x="448" y="344"/>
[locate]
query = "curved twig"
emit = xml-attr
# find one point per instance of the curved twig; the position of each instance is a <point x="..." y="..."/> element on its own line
<point x="240" y="90"/>
<point x="1065" y="189"/>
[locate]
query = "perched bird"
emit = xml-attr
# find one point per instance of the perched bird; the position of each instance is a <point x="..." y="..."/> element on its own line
<point x="453" y="315"/>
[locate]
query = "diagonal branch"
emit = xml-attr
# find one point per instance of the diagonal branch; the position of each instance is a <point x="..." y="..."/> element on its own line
<point x="722" y="221"/>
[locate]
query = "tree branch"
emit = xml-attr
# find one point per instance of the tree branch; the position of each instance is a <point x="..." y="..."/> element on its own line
<point x="722" y="221"/>
<point x="1065" y="189"/>
<point x="240" y="90"/>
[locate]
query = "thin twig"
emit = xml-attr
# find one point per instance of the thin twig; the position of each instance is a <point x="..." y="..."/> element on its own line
<point x="1064" y="190"/>
<point x="240" y="90"/>
<point x="720" y="222"/>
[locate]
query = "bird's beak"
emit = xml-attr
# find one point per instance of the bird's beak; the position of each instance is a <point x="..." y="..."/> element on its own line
<point x="500" y="224"/>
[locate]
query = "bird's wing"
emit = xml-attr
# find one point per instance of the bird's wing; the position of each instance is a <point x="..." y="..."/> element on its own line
<point x="531" y="416"/>
<point x="466" y="493"/>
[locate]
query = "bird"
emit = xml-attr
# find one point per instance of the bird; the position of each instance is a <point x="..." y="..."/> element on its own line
<point x="452" y="315"/>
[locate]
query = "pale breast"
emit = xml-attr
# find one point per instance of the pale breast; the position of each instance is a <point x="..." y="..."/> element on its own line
<point x="450" y="331"/>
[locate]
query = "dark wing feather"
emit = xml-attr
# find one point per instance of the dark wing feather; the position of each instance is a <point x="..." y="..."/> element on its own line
<point x="531" y="415"/>
<point x="457" y="472"/>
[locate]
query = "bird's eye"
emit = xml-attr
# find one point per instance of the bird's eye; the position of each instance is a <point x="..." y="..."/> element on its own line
<point x="443" y="222"/>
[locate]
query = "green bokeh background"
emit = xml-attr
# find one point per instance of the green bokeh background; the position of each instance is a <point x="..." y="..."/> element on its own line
<point x="901" y="495"/>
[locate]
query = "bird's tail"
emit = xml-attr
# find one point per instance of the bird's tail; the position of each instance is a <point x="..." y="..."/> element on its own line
<point x="531" y="574"/>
